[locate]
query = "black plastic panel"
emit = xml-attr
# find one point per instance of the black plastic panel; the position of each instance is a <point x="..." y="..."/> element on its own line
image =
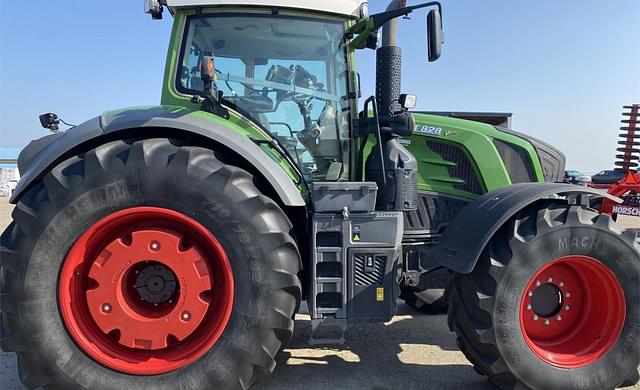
<point x="369" y="270"/>
<point x="398" y="182"/>
<point x="433" y="215"/>
<point x="517" y="162"/>
<point x="552" y="160"/>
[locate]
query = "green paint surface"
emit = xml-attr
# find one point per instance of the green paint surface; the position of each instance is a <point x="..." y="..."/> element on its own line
<point x="477" y="141"/>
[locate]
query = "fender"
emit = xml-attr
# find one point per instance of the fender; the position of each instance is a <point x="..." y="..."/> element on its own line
<point x="39" y="157"/>
<point x="466" y="237"/>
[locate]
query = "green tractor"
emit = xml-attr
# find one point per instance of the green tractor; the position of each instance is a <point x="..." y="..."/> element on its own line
<point x="170" y="246"/>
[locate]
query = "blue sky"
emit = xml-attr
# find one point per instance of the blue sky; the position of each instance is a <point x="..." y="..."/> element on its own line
<point x="564" y="68"/>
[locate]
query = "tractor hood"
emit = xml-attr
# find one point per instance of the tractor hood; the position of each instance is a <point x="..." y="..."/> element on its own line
<point x="352" y="8"/>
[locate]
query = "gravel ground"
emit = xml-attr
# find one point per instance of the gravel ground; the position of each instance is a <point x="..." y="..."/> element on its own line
<point x="411" y="351"/>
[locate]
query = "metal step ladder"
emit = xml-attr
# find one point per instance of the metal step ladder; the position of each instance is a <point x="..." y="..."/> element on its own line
<point x="354" y="256"/>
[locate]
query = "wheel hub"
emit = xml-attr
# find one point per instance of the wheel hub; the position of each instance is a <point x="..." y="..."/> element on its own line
<point x="146" y="291"/>
<point x="572" y="311"/>
<point x="546" y="300"/>
<point x="136" y="312"/>
<point x="156" y="283"/>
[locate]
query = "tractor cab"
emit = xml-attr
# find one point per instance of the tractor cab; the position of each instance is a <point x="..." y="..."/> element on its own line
<point x="287" y="68"/>
<point x="286" y="73"/>
<point x="283" y="66"/>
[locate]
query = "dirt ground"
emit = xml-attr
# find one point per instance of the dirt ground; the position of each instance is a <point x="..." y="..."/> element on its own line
<point x="412" y="351"/>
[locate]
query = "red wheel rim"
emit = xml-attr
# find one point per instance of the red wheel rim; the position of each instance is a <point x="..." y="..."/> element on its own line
<point x="146" y="291"/>
<point x="572" y="311"/>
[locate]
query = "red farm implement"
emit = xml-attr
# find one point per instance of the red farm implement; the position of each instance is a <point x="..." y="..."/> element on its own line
<point x="627" y="161"/>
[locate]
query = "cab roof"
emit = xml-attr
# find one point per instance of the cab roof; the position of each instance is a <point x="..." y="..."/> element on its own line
<point x="339" y="7"/>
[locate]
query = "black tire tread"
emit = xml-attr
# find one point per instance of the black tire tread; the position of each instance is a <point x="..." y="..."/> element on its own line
<point x="471" y="295"/>
<point x="410" y="297"/>
<point x="270" y="333"/>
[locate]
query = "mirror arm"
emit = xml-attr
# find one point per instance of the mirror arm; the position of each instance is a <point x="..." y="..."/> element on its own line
<point x="210" y="102"/>
<point x="382" y="18"/>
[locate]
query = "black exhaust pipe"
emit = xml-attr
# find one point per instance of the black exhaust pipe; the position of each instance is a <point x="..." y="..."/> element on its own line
<point x="389" y="66"/>
<point x="396" y="173"/>
<point x="388" y="79"/>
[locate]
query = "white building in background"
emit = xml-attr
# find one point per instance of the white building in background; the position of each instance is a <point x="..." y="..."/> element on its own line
<point x="8" y="174"/>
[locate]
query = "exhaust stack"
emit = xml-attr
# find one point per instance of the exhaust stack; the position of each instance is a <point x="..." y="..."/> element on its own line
<point x="389" y="65"/>
<point x="394" y="169"/>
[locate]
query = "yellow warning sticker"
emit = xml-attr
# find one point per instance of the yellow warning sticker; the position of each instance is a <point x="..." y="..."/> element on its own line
<point x="355" y="233"/>
<point x="380" y="294"/>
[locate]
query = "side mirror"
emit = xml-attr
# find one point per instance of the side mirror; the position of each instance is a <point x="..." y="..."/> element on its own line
<point x="435" y="37"/>
<point x="207" y="68"/>
<point x="208" y="76"/>
<point x="212" y="97"/>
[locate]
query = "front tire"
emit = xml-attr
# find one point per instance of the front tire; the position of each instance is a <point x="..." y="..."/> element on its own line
<point x="553" y="302"/>
<point x="130" y="215"/>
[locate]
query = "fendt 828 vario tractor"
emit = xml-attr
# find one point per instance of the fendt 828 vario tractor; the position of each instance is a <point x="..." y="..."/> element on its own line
<point x="169" y="247"/>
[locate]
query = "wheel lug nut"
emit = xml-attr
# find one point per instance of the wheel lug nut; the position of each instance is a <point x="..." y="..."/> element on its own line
<point x="528" y="307"/>
<point x="561" y="284"/>
<point x="567" y="294"/>
<point x="106" y="308"/>
<point x="535" y="317"/>
<point x="530" y="294"/>
<point x="538" y="283"/>
<point x="559" y="318"/>
<point x="155" y="245"/>
<point x="567" y="307"/>
<point x="546" y="322"/>
<point x="550" y="280"/>
<point x="186" y="316"/>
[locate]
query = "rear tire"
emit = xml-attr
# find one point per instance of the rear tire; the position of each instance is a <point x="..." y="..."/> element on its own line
<point x="170" y="178"/>
<point x="518" y="339"/>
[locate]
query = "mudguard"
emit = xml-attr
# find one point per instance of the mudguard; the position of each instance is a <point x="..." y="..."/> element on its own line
<point x="466" y="237"/>
<point x="39" y="157"/>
